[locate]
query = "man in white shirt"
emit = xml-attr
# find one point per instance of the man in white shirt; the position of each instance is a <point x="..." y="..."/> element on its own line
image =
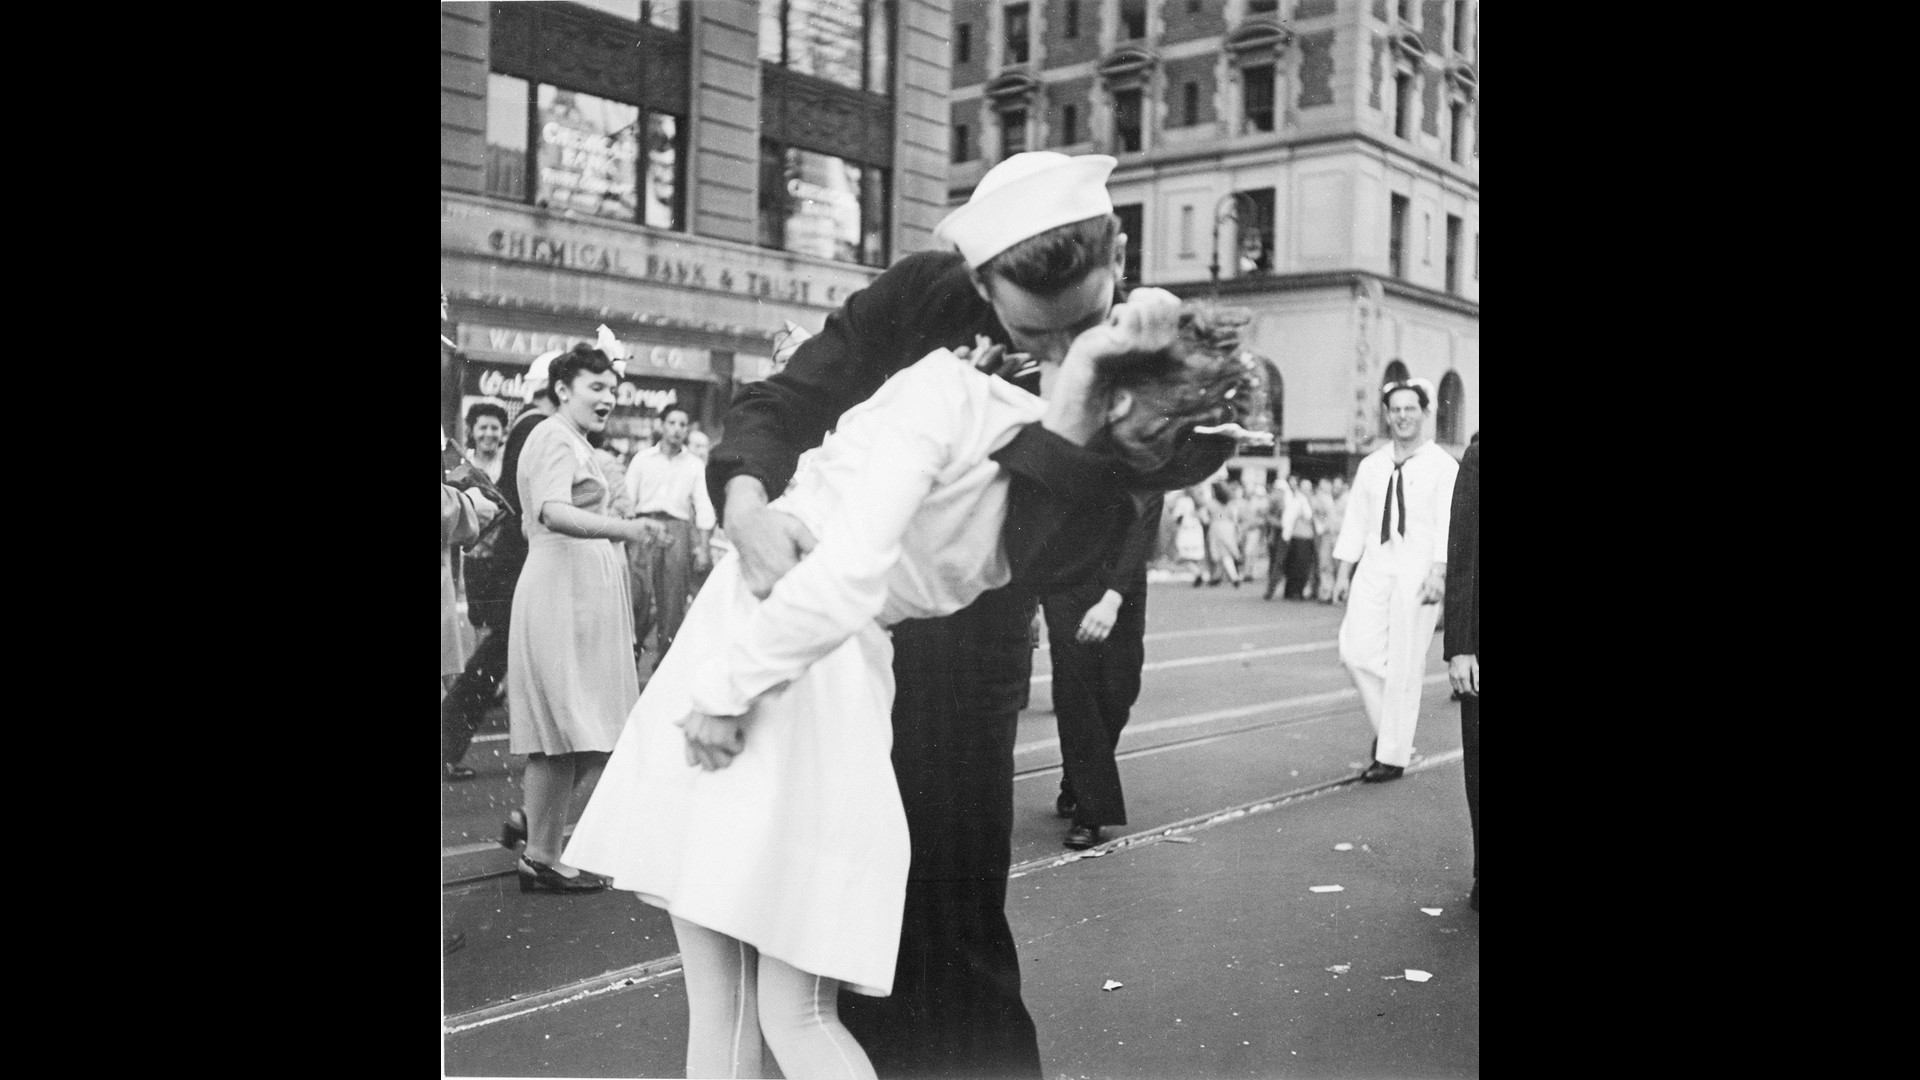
<point x="1396" y="529"/>
<point x="667" y="485"/>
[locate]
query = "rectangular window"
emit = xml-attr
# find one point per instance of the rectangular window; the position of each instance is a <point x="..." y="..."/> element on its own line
<point x="1017" y="34"/>
<point x="820" y="205"/>
<point x="1073" y="19"/>
<point x="1256" y="230"/>
<point x="588" y="155"/>
<point x="1459" y="26"/>
<point x="1397" y="237"/>
<point x="1190" y="111"/>
<point x="962" y="44"/>
<point x="1453" y="253"/>
<point x="1426" y="239"/>
<point x="663" y="191"/>
<point x="834" y="40"/>
<point x="1263" y="5"/>
<point x="1013" y="132"/>
<point x="1126" y="120"/>
<point x="1069" y="125"/>
<point x="1403" y="105"/>
<point x="1133" y="18"/>
<point x="1459" y="125"/>
<point x="1132" y="229"/>
<point x="1186" y="232"/>
<point x="508" y="108"/>
<point x="1405" y="8"/>
<point x="962" y="144"/>
<point x="1259" y="97"/>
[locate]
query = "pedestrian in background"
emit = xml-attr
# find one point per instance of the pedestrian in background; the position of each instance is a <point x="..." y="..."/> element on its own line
<point x="486" y="433"/>
<point x="570" y="673"/>
<point x="1223" y="536"/>
<point x="462" y="515"/>
<point x="1190" y="534"/>
<point x="492" y="568"/>
<point x="667" y="486"/>
<point x="1273" y="532"/>
<point x="1396" y="529"/>
<point x="1462" y="644"/>
<point x="1297" y="529"/>
<point x="1096" y="635"/>
<point x="1326" y="525"/>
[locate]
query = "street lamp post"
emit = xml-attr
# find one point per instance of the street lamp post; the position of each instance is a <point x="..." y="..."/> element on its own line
<point x="1229" y="208"/>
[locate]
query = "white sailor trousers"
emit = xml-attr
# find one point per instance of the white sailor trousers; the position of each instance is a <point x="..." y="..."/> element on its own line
<point x="1383" y="643"/>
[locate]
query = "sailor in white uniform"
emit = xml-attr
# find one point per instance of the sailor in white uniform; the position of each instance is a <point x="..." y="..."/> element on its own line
<point x="1396" y="529"/>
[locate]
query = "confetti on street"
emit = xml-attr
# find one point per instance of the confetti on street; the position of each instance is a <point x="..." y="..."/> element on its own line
<point x="1112" y="985"/>
<point x="1326" y="888"/>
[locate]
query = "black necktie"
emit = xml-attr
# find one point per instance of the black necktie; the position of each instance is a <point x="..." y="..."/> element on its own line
<point x="1386" y="510"/>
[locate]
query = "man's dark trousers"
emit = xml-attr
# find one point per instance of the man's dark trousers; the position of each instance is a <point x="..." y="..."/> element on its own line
<point x="955" y="1010"/>
<point x="1094" y="688"/>
<point x="1470" y="758"/>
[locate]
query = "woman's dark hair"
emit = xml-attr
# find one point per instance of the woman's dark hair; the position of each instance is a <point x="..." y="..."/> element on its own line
<point x="485" y="408"/>
<point x="568" y="365"/>
<point x="1050" y="262"/>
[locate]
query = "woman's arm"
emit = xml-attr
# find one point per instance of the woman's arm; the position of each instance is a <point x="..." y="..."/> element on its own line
<point x="564" y="517"/>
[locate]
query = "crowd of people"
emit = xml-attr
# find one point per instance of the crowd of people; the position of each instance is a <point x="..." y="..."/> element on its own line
<point x="815" y="781"/>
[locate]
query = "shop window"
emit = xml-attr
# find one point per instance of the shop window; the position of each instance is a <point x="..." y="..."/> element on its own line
<point x="509" y="104"/>
<point x="1126" y="119"/>
<point x="587" y="153"/>
<point x="1255" y="229"/>
<point x="1133" y="18"/>
<point x="1136" y="234"/>
<point x="1017" y="33"/>
<point x="1069" y="125"/>
<point x="1450" y="413"/>
<point x="1397" y="236"/>
<point x="1072" y="29"/>
<point x="1459" y="26"/>
<point x="1259" y="97"/>
<point x="820" y="205"/>
<point x="843" y="41"/>
<point x="665" y="14"/>
<point x="962" y="144"/>
<point x="1013" y="132"/>
<point x="962" y="44"/>
<point x="1453" y="253"/>
<point x="1190" y="104"/>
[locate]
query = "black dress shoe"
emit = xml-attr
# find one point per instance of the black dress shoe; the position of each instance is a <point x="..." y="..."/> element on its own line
<point x="539" y="877"/>
<point x="1378" y="772"/>
<point x="1081" y="837"/>
<point x="454" y="773"/>
<point x="1065" y="804"/>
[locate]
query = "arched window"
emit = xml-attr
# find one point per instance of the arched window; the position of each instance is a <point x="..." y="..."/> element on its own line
<point x="1453" y="403"/>
<point x="1396" y="372"/>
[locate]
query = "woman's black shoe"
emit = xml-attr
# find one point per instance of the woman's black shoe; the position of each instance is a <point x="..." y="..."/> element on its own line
<point x="513" y="831"/>
<point x="539" y="877"/>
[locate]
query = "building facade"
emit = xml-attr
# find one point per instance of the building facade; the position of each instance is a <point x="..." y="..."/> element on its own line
<point x="692" y="175"/>
<point x="1315" y="161"/>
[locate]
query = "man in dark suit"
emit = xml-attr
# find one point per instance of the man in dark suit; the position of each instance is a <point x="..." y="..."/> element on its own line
<point x="1096" y="633"/>
<point x="1462" y="646"/>
<point x="1040" y="260"/>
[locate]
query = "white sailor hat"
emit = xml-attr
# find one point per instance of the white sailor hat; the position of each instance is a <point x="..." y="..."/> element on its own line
<point x="537" y="374"/>
<point x="1024" y="196"/>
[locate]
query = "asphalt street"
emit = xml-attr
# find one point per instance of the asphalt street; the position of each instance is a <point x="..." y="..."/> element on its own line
<point x="1239" y="768"/>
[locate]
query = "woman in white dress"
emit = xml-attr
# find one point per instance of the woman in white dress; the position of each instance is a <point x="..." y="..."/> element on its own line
<point x="751" y="793"/>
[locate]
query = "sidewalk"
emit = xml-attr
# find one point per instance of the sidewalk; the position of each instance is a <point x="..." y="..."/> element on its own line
<point x="1219" y="945"/>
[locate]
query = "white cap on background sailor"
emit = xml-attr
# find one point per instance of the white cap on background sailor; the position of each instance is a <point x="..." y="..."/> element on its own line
<point x="1024" y="196"/>
<point x="536" y="378"/>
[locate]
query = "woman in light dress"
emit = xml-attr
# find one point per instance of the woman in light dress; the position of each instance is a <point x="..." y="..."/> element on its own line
<point x="752" y="793"/>
<point x="570" y="675"/>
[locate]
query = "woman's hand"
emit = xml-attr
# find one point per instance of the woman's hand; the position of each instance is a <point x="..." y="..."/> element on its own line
<point x="713" y="741"/>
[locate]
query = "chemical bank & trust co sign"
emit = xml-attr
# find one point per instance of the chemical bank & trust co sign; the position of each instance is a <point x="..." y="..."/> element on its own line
<point x="514" y="234"/>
